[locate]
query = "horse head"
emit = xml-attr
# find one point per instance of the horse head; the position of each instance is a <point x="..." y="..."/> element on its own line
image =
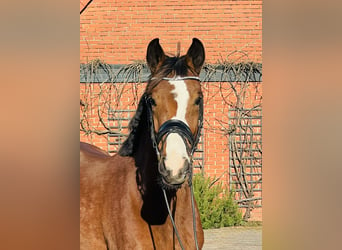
<point x="175" y="108"/>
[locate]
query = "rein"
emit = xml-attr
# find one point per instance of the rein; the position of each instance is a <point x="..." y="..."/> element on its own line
<point x="191" y="141"/>
<point x="193" y="217"/>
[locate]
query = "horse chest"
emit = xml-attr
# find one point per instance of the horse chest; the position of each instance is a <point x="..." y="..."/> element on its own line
<point x="128" y="230"/>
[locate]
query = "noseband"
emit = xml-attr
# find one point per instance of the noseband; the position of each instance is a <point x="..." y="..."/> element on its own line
<point x="175" y="126"/>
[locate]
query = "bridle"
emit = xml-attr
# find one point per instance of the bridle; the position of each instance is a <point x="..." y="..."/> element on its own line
<point x="174" y="125"/>
<point x="190" y="140"/>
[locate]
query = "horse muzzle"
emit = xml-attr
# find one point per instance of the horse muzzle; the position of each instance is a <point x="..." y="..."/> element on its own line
<point x="173" y="178"/>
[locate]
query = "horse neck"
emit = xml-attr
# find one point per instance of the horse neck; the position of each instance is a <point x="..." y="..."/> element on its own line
<point x="145" y="156"/>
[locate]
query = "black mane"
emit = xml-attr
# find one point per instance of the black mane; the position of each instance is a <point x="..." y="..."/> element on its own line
<point x="135" y="128"/>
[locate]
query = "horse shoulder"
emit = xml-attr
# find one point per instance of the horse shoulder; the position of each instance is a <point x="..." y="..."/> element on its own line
<point x="108" y="191"/>
<point x="123" y="203"/>
<point x="94" y="165"/>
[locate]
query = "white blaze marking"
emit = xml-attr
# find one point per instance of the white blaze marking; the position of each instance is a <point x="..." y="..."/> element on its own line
<point x="175" y="148"/>
<point x="181" y="94"/>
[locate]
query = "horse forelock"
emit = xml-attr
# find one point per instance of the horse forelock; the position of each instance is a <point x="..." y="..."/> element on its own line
<point x="171" y="66"/>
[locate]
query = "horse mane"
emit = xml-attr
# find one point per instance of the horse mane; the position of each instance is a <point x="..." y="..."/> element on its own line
<point x="128" y="147"/>
<point x="171" y="66"/>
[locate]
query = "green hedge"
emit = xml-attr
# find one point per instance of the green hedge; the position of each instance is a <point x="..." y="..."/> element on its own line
<point x="216" y="204"/>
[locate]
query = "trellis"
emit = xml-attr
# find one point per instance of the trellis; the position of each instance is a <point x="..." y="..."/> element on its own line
<point x="245" y="153"/>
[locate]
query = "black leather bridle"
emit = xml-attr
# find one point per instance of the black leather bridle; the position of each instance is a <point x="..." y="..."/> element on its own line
<point x="179" y="127"/>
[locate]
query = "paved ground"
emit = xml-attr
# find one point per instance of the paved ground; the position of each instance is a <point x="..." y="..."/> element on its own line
<point x="233" y="238"/>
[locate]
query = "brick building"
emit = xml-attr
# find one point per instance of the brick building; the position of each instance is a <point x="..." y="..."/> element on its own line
<point x="118" y="32"/>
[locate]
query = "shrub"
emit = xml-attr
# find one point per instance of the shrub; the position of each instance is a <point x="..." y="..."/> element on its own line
<point x="216" y="204"/>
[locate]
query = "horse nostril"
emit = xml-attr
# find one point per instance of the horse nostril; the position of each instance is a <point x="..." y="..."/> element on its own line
<point x="181" y="174"/>
<point x="186" y="165"/>
<point x="162" y="169"/>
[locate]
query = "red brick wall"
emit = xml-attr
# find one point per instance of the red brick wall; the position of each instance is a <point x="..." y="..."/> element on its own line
<point x="119" y="31"/>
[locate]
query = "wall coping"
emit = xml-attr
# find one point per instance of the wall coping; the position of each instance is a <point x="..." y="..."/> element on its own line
<point x="137" y="73"/>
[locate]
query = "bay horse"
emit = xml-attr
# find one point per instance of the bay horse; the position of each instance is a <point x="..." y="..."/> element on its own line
<point x="142" y="197"/>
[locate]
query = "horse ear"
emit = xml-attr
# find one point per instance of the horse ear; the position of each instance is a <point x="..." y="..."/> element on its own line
<point x="195" y="56"/>
<point x="155" y="55"/>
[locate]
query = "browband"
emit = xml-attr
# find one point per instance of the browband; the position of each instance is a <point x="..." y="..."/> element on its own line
<point x="179" y="78"/>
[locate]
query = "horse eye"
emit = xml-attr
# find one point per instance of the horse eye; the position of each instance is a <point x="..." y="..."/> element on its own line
<point x="198" y="100"/>
<point x="152" y="102"/>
